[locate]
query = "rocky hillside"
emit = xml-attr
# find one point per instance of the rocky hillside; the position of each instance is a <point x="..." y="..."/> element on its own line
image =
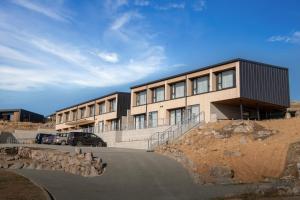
<point x="240" y="151"/>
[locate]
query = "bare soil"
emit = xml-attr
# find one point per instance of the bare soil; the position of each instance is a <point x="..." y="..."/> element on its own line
<point x="16" y="187"/>
<point x="251" y="160"/>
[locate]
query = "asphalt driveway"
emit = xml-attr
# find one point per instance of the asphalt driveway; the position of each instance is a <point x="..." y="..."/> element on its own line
<point x="130" y="174"/>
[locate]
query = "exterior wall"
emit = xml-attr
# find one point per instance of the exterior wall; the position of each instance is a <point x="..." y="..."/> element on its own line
<point x="204" y="100"/>
<point x="265" y="83"/>
<point x="122" y="104"/>
<point x="224" y="112"/>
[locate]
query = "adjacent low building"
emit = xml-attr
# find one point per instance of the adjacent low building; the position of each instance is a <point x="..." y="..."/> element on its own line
<point x="20" y="115"/>
<point x="103" y="113"/>
<point x="235" y="89"/>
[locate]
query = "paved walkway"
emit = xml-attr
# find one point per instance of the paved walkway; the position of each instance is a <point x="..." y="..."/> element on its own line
<point x="130" y="174"/>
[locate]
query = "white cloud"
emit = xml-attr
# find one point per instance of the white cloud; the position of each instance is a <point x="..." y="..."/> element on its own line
<point x="141" y="3"/>
<point x="171" y="6"/>
<point x="292" y="38"/>
<point x="124" y="19"/>
<point x="53" y="14"/>
<point x="109" y="57"/>
<point x="199" y="5"/>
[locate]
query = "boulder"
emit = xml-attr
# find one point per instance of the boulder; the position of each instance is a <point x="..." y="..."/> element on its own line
<point x="222" y="174"/>
<point x="88" y="156"/>
<point x="244" y="128"/>
<point x="263" y="134"/>
<point x="17" y="165"/>
<point x="78" y="150"/>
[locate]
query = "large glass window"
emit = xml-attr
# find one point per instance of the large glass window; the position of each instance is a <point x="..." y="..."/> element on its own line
<point x="101" y="108"/>
<point x="201" y="85"/>
<point x="82" y="112"/>
<point x="158" y="94"/>
<point x="153" y="119"/>
<point x="176" y="116"/>
<point x="141" y="98"/>
<point x="139" y="121"/>
<point x="112" y="105"/>
<point x="226" y="79"/>
<point x="101" y="126"/>
<point x="114" y="125"/>
<point x="177" y="90"/>
<point x="194" y="113"/>
<point x="92" y="110"/>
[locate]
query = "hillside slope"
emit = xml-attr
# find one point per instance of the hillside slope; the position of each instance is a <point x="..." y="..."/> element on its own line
<point x="235" y="151"/>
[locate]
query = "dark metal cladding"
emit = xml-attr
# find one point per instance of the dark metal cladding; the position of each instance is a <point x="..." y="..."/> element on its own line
<point x="265" y="83"/>
<point x="123" y="104"/>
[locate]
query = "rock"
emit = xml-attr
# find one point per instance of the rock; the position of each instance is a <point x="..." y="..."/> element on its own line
<point x="263" y="134"/>
<point x="243" y="140"/>
<point x="17" y="165"/>
<point x="232" y="153"/>
<point x="219" y="135"/>
<point x="10" y="158"/>
<point x="88" y="156"/>
<point x="296" y="190"/>
<point x="244" y="128"/>
<point x="3" y="165"/>
<point x="288" y="115"/>
<point x="94" y="171"/>
<point x="222" y="174"/>
<point x="78" y="150"/>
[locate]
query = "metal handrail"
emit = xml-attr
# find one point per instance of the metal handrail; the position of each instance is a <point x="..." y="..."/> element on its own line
<point x="174" y="131"/>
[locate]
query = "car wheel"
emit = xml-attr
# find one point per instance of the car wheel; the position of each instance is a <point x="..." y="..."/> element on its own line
<point x="79" y="143"/>
<point x="63" y="143"/>
<point x="99" y="144"/>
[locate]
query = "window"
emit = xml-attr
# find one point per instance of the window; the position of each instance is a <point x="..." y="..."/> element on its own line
<point x="59" y="118"/>
<point x="193" y="113"/>
<point x="92" y="111"/>
<point x="139" y="121"/>
<point x="74" y="115"/>
<point x="82" y="112"/>
<point x="153" y="119"/>
<point x="226" y="79"/>
<point x="177" y="90"/>
<point x="141" y="98"/>
<point x="201" y="85"/>
<point x="101" y="108"/>
<point x="114" y="125"/>
<point x="158" y="94"/>
<point x="67" y="116"/>
<point x="101" y="126"/>
<point x="112" y="105"/>
<point x="176" y="116"/>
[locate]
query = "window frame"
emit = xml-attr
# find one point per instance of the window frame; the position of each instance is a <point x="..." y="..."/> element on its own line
<point x="219" y="80"/>
<point x="173" y="90"/>
<point x="150" y="125"/>
<point x="100" y="106"/>
<point x="138" y="99"/>
<point x="113" y="102"/>
<point x="154" y="94"/>
<point x="195" y="84"/>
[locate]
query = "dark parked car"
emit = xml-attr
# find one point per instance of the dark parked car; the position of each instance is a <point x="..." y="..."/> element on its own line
<point x="48" y="139"/>
<point x="39" y="137"/>
<point x="81" y="138"/>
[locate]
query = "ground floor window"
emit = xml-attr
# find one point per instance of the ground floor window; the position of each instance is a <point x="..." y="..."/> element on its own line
<point x="114" y="125"/>
<point x="139" y="121"/>
<point x="153" y="119"/>
<point x="101" y="126"/>
<point x="176" y="116"/>
<point x="194" y="113"/>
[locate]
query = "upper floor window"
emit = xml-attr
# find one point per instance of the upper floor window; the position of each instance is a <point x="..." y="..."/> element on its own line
<point x="226" y="79"/>
<point x="59" y="118"/>
<point x="158" y="94"/>
<point x="74" y="115"/>
<point x="101" y="108"/>
<point x="82" y="112"/>
<point x="201" y="85"/>
<point x="92" y="110"/>
<point x="112" y="105"/>
<point x="177" y="90"/>
<point x="67" y="116"/>
<point x="141" y="98"/>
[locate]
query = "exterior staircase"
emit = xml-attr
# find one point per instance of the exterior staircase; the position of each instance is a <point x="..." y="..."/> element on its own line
<point x="174" y="132"/>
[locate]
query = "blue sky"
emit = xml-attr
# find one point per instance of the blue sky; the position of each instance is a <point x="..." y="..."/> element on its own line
<point x="54" y="53"/>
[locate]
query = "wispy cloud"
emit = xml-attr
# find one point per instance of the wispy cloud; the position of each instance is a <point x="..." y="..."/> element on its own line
<point x="124" y="19"/>
<point x="141" y="3"/>
<point x="53" y="14"/>
<point x="171" y="6"/>
<point x="292" y="38"/>
<point x="199" y="5"/>
<point x="109" y="57"/>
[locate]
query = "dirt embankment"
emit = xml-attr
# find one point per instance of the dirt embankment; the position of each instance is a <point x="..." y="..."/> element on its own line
<point x="232" y="151"/>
